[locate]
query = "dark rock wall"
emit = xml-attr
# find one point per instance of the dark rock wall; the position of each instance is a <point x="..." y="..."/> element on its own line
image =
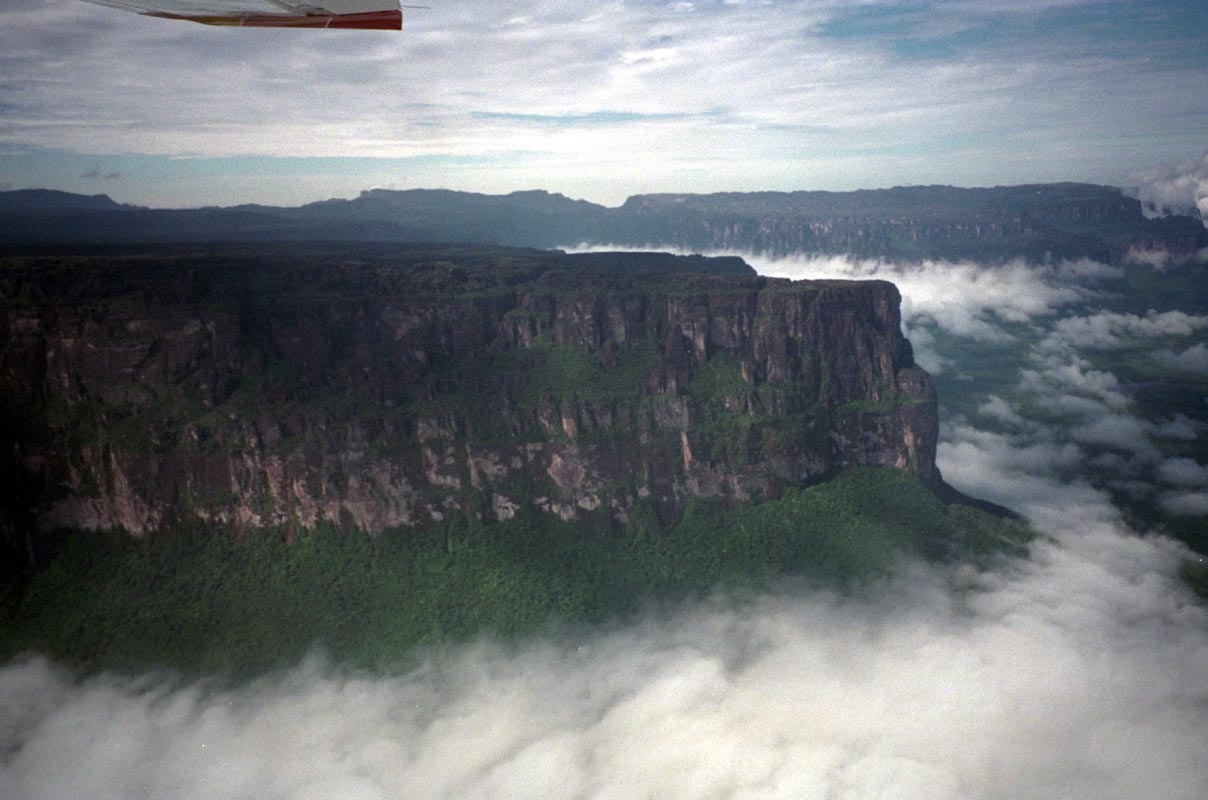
<point x="374" y="409"/>
<point x="1031" y="222"/>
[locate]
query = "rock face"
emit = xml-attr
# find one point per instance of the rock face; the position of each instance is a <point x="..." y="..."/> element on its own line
<point x="384" y="388"/>
<point x="1038" y="222"/>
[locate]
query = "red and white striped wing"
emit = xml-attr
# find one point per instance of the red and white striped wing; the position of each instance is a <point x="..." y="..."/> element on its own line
<point x="368" y="14"/>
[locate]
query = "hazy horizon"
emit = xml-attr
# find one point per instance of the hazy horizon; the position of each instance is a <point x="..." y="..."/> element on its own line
<point x="1176" y="189"/>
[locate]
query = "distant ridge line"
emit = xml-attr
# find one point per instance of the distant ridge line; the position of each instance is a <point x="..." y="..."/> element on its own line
<point x="1036" y="222"/>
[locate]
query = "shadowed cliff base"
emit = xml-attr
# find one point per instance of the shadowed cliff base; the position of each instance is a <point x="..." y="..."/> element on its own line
<point x="201" y="601"/>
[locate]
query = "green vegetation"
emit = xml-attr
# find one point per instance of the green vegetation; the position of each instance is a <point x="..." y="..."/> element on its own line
<point x="718" y="378"/>
<point x="875" y="406"/>
<point x="203" y="601"/>
<point x="560" y="372"/>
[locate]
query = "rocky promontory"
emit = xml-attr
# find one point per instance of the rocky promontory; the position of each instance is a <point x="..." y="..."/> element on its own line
<point x="388" y="386"/>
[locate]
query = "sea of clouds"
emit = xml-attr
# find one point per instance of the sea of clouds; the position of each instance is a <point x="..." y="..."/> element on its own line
<point x="1080" y="671"/>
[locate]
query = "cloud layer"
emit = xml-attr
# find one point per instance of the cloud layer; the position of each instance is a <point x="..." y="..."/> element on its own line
<point x="1081" y="673"/>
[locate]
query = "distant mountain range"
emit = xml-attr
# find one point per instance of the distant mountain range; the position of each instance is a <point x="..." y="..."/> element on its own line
<point x="1062" y="220"/>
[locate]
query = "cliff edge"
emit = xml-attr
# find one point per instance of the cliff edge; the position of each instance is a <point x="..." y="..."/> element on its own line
<point x="376" y="387"/>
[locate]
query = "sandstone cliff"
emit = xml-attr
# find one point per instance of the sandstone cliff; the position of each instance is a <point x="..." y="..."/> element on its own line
<point x="1038" y="222"/>
<point x="394" y="386"/>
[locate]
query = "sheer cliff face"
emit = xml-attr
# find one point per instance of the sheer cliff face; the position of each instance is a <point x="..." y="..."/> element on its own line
<point x="1035" y="222"/>
<point x="377" y="404"/>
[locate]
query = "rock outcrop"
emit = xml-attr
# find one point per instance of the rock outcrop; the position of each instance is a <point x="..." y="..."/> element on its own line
<point x="396" y="386"/>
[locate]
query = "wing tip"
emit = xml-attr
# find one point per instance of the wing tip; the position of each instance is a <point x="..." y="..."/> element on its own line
<point x="391" y="20"/>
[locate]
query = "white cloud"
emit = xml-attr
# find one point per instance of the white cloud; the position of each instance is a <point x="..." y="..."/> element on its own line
<point x="1027" y="474"/>
<point x="1063" y="383"/>
<point x="1193" y="360"/>
<point x="1092" y="407"/>
<point x="923" y="343"/>
<point x="964" y="298"/>
<point x="1177" y="189"/>
<point x="1087" y="271"/>
<point x="1068" y="384"/>
<point x="1109" y="330"/>
<point x="1180" y="427"/>
<point x="1000" y="410"/>
<point x="1119" y="432"/>
<point x="1183" y="472"/>
<point x="1185" y="504"/>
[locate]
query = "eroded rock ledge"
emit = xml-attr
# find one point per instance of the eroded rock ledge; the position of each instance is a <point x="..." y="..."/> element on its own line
<point x="395" y="386"/>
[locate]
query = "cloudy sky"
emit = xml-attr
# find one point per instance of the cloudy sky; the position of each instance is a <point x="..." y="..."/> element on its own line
<point x="602" y="100"/>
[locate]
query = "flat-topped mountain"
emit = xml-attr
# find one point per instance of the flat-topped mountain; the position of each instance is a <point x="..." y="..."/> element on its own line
<point x="390" y="386"/>
<point x="1036" y="222"/>
<point x="35" y="200"/>
<point x="369" y="447"/>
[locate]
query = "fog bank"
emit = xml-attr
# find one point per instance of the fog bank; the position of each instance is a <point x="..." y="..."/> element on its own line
<point x="1082" y="672"/>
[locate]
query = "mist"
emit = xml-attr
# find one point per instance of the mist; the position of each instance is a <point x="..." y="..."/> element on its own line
<point x="1082" y="671"/>
<point x="1077" y="670"/>
<point x="1175" y="188"/>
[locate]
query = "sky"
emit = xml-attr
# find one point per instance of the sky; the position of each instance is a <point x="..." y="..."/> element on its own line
<point x="603" y="100"/>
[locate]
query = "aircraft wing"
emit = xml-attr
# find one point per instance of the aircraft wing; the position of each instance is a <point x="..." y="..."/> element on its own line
<point x="370" y="14"/>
